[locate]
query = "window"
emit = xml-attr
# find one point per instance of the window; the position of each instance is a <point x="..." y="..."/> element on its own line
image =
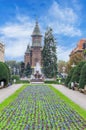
<point x="84" y="45"/>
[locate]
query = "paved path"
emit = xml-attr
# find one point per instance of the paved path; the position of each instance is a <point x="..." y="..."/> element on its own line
<point x="75" y="96"/>
<point x="6" y="92"/>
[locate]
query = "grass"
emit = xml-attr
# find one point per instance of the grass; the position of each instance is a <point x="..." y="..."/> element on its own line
<point x="76" y="107"/>
<point x="11" y="98"/>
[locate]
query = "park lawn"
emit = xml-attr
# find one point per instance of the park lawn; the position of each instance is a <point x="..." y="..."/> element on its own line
<point x="11" y="98"/>
<point x="76" y="107"/>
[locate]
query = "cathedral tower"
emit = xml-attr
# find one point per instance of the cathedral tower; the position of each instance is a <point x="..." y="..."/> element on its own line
<point x="36" y="45"/>
<point x="33" y="53"/>
<point x="27" y="56"/>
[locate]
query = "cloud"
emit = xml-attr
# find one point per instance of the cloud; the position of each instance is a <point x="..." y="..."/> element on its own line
<point x="21" y="28"/>
<point x="77" y="5"/>
<point x="16" y="36"/>
<point x="63" y="53"/>
<point x="63" y="20"/>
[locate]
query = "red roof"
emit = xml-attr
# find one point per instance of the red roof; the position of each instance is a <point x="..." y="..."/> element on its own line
<point x="79" y="46"/>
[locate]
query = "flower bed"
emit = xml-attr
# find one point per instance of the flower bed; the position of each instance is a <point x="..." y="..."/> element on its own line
<point x="40" y="108"/>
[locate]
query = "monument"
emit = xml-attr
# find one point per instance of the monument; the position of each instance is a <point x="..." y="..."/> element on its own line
<point x="37" y="71"/>
<point x="37" y="75"/>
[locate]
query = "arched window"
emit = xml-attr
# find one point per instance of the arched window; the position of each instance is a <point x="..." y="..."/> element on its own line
<point x="84" y="45"/>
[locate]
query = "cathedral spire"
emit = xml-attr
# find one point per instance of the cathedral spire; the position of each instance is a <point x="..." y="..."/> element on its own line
<point x="36" y="30"/>
<point x="28" y="49"/>
<point x="36" y="35"/>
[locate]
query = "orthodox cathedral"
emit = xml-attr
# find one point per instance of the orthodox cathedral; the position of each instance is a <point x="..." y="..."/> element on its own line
<point x="33" y="53"/>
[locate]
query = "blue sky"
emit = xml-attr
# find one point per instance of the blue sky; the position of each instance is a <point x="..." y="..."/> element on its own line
<point x="17" y="20"/>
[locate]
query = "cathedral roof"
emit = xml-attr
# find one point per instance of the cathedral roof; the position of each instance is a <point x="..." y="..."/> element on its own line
<point x="36" y="30"/>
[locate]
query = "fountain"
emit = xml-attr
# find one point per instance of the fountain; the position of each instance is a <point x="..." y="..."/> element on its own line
<point x="37" y="75"/>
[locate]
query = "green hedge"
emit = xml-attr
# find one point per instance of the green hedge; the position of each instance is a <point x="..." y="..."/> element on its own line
<point x="17" y="77"/>
<point x="77" y="72"/>
<point x="51" y="82"/>
<point x="22" y="81"/>
<point x="4" y="73"/>
<point x="82" y="81"/>
<point x="68" y="79"/>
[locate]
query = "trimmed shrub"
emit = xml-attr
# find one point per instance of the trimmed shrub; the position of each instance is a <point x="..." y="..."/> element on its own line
<point x="68" y="79"/>
<point x="22" y="81"/>
<point x="51" y="82"/>
<point x="77" y="72"/>
<point x="4" y="73"/>
<point x="16" y="77"/>
<point x="82" y="81"/>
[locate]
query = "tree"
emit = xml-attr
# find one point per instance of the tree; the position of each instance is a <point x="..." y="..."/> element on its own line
<point x="28" y="70"/>
<point x="22" y="69"/>
<point x="13" y="64"/>
<point x="75" y="59"/>
<point x="77" y="72"/>
<point x="62" y="64"/>
<point x="82" y="81"/>
<point x="68" y="79"/>
<point x="49" y="57"/>
<point x="4" y="73"/>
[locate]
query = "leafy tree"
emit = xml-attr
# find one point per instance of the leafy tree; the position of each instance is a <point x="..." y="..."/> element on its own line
<point x="16" y="77"/>
<point x="82" y="81"/>
<point x="13" y="64"/>
<point x="74" y="59"/>
<point x="22" y="69"/>
<point x="49" y="57"/>
<point x="77" y="72"/>
<point x="62" y="64"/>
<point x="28" y="70"/>
<point x="4" y="73"/>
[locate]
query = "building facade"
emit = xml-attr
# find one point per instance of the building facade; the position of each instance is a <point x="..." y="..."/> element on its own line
<point x="80" y="48"/>
<point x="2" y="50"/>
<point x="33" y="53"/>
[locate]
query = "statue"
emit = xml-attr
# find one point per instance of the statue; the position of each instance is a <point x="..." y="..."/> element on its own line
<point x="37" y="74"/>
<point x="37" y="68"/>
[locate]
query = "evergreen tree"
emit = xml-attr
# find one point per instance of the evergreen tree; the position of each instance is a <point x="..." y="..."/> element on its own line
<point x="82" y="81"/>
<point x="49" y="57"/>
<point x="4" y="73"/>
<point x="68" y="79"/>
<point x="22" y="69"/>
<point x="77" y="72"/>
<point x="28" y="70"/>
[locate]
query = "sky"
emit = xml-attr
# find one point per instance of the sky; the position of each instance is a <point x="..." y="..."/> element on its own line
<point x="67" y="18"/>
